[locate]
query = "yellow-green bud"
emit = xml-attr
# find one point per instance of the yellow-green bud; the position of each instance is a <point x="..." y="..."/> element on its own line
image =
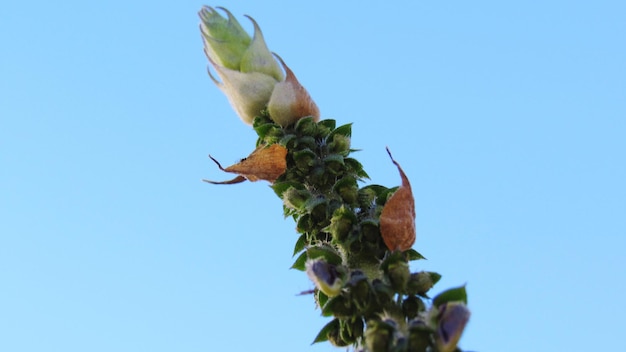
<point x="325" y="276"/>
<point x="451" y="320"/>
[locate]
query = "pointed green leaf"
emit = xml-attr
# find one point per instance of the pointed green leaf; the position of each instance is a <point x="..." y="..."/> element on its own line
<point x="324" y="251"/>
<point x="330" y="124"/>
<point x="434" y="277"/>
<point x="412" y="254"/>
<point x="345" y="130"/>
<point x="299" y="263"/>
<point x="356" y="167"/>
<point x="457" y="294"/>
<point x="322" y="298"/>
<point x="300" y="244"/>
<point x="323" y="334"/>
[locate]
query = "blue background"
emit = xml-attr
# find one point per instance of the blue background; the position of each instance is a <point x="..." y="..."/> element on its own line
<point x="508" y="118"/>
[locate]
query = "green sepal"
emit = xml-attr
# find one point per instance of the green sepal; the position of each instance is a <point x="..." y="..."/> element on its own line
<point x="347" y="189"/>
<point x="324" y="251"/>
<point x="263" y="129"/>
<point x="321" y="297"/>
<point x="328" y="123"/>
<point x="457" y="294"/>
<point x="304" y="159"/>
<point x="262" y="119"/>
<point x="296" y="199"/>
<point x="324" y="128"/>
<point x="351" y="329"/>
<point x="316" y="206"/>
<point x="392" y="258"/>
<point x="344" y="130"/>
<point x="341" y="223"/>
<point x="280" y="187"/>
<point x="288" y="141"/>
<point x="334" y="163"/>
<point x="383" y="196"/>
<point x="421" y="282"/>
<point x="435" y="277"/>
<point x="323" y="334"/>
<point x="370" y="230"/>
<point x="412" y="306"/>
<point x="306" y="126"/>
<point x="305" y="142"/>
<point x="339" y="144"/>
<point x="356" y="167"/>
<point x="300" y="244"/>
<point x="412" y="254"/>
<point x="299" y="264"/>
<point x="338" y="306"/>
<point x="368" y="194"/>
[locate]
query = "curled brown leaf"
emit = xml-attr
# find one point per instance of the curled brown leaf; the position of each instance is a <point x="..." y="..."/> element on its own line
<point x="397" y="220"/>
<point x="264" y="163"/>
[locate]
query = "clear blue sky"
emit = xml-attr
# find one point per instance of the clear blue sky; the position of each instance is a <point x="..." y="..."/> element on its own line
<point x="508" y="118"/>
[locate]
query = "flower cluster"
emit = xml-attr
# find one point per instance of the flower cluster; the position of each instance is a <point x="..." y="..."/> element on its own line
<point x="250" y="76"/>
<point x="355" y="243"/>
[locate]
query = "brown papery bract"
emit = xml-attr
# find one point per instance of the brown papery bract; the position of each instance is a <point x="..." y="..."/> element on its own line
<point x="397" y="220"/>
<point x="264" y="163"/>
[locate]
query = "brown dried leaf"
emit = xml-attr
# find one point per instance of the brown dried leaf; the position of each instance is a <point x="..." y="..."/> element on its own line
<point x="264" y="163"/>
<point x="397" y="220"/>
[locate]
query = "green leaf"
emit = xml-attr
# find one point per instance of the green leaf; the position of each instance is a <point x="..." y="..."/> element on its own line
<point x="356" y="167"/>
<point x="304" y="158"/>
<point x="329" y="123"/>
<point x="300" y="244"/>
<point x="392" y="258"/>
<point x="314" y="202"/>
<point x="287" y="139"/>
<point x="457" y="294"/>
<point x="299" y="263"/>
<point x="280" y="187"/>
<point x="263" y="129"/>
<point x="434" y="277"/>
<point x="324" y="251"/>
<point x="382" y="198"/>
<point x="412" y="254"/>
<point x="345" y="130"/>
<point x="338" y="306"/>
<point x="305" y="142"/>
<point x="334" y="158"/>
<point x="323" y="334"/>
<point x="306" y="126"/>
<point x="322" y="298"/>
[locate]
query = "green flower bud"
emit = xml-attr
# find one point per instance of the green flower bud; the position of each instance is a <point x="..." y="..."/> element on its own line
<point x="351" y="329"/>
<point x="419" y="336"/>
<point x="398" y="274"/>
<point x="360" y="289"/>
<point x="250" y="76"/>
<point x="225" y="41"/>
<point x="227" y="44"/>
<point x="341" y="223"/>
<point x="421" y="282"/>
<point x="335" y="337"/>
<point x="411" y="306"/>
<point x="378" y="336"/>
<point x="295" y="198"/>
